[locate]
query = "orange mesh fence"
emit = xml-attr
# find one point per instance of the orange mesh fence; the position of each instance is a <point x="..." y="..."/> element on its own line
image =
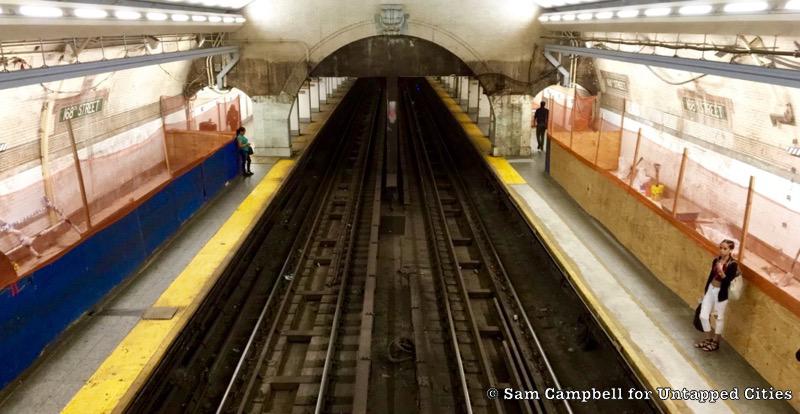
<point x="583" y="112"/>
<point x="707" y="202"/>
<point x="773" y="242"/>
<point x="94" y="170"/>
<point x="187" y="147"/>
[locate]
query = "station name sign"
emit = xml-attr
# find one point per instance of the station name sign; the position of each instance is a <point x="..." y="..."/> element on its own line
<point x="81" y="109"/>
<point x="615" y="82"/>
<point x="706" y="108"/>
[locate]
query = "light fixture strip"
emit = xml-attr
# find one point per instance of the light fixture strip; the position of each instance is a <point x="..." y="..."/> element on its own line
<point x="98" y="12"/>
<point x="687" y="9"/>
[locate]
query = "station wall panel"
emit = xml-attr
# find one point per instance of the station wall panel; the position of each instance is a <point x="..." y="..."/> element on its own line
<point x="54" y="297"/>
<point x="761" y="330"/>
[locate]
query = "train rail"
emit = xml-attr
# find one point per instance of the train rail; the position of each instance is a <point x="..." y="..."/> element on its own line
<point x="386" y="295"/>
<point x="316" y="306"/>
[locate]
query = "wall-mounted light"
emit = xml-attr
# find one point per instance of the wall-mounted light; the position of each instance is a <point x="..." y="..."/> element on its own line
<point x="753" y="6"/>
<point x="695" y="9"/>
<point x="199" y="18"/>
<point x="90" y="13"/>
<point x="127" y="15"/>
<point x="624" y="14"/>
<point x="41" y="11"/>
<point x="215" y="19"/>
<point x="156" y="17"/>
<point x="585" y="16"/>
<point x="179" y="18"/>
<point x="658" y="12"/>
<point x="568" y="17"/>
<point x="604" y="15"/>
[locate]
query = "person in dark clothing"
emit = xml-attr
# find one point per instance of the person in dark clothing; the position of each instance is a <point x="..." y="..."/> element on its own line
<point x="540" y="118"/>
<point x="232" y="118"/>
<point x="245" y="151"/>
<point x="723" y="270"/>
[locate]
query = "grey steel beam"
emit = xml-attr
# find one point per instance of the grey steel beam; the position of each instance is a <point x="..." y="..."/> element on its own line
<point x="25" y="77"/>
<point x="234" y="59"/>
<point x="561" y="69"/>
<point x="773" y="76"/>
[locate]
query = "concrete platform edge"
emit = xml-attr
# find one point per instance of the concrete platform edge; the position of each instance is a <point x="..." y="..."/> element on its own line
<point x="115" y="383"/>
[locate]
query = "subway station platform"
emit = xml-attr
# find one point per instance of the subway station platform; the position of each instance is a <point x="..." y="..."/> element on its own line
<point x="651" y="325"/>
<point x="96" y="362"/>
<point x="109" y="352"/>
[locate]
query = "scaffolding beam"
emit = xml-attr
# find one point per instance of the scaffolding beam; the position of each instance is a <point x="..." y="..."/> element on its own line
<point x="773" y="76"/>
<point x="26" y="77"/>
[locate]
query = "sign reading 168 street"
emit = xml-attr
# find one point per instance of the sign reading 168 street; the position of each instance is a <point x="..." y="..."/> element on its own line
<point x="81" y="109"/>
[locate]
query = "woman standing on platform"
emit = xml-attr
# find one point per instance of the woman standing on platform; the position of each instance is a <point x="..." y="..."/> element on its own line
<point x="723" y="270"/>
<point x="245" y="150"/>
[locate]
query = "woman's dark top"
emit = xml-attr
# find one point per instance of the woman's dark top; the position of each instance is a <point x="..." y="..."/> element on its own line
<point x="731" y="270"/>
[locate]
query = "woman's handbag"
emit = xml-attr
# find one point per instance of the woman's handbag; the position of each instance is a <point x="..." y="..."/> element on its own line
<point x="697" y="324"/>
<point x="736" y="288"/>
<point x="737" y="285"/>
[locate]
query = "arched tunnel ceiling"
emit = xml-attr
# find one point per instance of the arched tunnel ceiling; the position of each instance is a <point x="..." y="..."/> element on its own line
<point x="391" y="56"/>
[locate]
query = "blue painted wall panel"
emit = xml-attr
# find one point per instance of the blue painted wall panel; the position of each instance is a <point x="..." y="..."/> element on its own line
<point x="188" y="197"/>
<point x="216" y="171"/>
<point x="58" y="294"/>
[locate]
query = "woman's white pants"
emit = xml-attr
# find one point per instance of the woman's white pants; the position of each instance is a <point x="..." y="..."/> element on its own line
<point x="710" y="303"/>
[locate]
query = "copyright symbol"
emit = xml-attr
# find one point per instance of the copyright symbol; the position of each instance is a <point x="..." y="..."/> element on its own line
<point x="492" y="393"/>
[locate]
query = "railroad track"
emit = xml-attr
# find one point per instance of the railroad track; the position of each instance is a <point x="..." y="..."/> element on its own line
<point x="294" y="368"/>
<point x="382" y="301"/>
<point x="493" y="343"/>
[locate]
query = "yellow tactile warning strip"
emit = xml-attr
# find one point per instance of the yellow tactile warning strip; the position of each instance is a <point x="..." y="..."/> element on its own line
<point x="509" y="176"/>
<point x="115" y="381"/>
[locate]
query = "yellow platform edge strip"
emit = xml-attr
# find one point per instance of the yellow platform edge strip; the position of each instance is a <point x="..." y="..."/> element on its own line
<point x="508" y="176"/>
<point x="115" y="382"/>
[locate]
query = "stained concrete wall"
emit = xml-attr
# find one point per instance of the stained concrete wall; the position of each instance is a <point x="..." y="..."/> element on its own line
<point x="764" y="332"/>
<point x="496" y="39"/>
<point x="753" y="122"/>
<point x="512" y="125"/>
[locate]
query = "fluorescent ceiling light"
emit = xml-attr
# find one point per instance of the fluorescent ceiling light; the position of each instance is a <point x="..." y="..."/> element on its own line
<point x="555" y="18"/>
<point x="628" y="13"/>
<point x="752" y="6"/>
<point x="127" y="15"/>
<point x="657" y="11"/>
<point x="543" y="18"/>
<point x="199" y="18"/>
<point x="215" y="19"/>
<point x="156" y="16"/>
<point x="240" y="20"/>
<point x="40" y="11"/>
<point x="695" y="9"/>
<point x="568" y="17"/>
<point x="792" y="5"/>
<point x="585" y="16"/>
<point x="228" y="19"/>
<point x="604" y="15"/>
<point x="179" y="18"/>
<point x="90" y="13"/>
